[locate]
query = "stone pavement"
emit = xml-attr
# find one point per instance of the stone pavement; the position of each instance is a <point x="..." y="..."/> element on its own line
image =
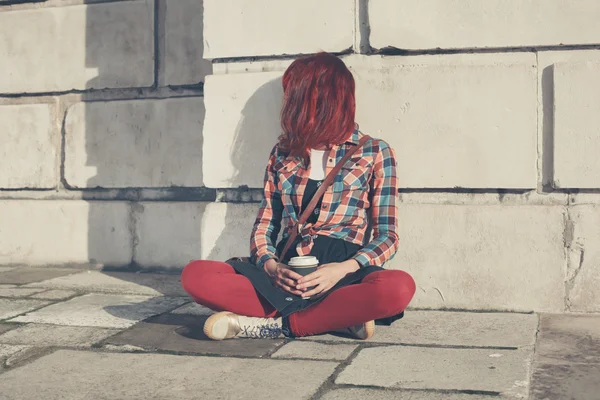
<point x="87" y="334"/>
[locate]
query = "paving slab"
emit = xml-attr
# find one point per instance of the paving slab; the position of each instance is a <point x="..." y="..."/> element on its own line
<point x="184" y="333"/>
<point x="12" y="307"/>
<point x="25" y="355"/>
<point x="18" y="292"/>
<point x="386" y="394"/>
<point x="54" y="335"/>
<point x="193" y="309"/>
<point x="8" y="350"/>
<point x="118" y="283"/>
<point x="565" y="381"/>
<point x="57" y="294"/>
<point x="96" y="375"/>
<point x="567" y="359"/>
<point x="454" y="329"/>
<point x="411" y="367"/>
<point x="7" y="327"/>
<point x="25" y="275"/>
<point x="123" y="348"/>
<point x="569" y="338"/>
<point x="102" y="310"/>
<point x="315" y="351"/>
<point x="11" y="355"/>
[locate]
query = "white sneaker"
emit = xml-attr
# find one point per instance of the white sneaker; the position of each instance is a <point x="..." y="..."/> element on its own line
<point x="227" y="325"/>
<point x="362" y="331"/>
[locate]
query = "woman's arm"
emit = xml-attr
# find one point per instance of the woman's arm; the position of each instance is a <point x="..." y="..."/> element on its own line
<point x="268" y="222"/>
<point x="384" y="210"/>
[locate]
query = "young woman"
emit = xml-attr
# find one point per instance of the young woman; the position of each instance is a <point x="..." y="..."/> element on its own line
<point x="263" y="297"/>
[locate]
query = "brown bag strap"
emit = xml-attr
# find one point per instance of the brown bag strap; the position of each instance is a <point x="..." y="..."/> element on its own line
<point x="319" y="193"/>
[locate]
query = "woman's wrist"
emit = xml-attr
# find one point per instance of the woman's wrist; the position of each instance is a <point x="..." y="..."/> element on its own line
<point x="270" y="266"/>
<point x="350" y="266"/>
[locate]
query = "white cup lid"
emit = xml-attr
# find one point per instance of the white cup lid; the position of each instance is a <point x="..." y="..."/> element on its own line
<point x="304" y="261"/>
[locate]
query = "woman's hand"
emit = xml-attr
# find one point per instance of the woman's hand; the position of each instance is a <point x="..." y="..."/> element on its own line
<point x="325" y="277"/>
<point x="283" y="277"/>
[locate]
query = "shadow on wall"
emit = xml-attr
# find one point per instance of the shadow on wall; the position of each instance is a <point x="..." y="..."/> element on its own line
<point x="100" y="130"/>
<point x="134" y="144"/>
<point x="548" y="129"/>
<point x="256" y="134"/>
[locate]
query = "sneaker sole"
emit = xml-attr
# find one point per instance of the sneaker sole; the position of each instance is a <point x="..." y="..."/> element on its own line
<point x="219" y="333"/>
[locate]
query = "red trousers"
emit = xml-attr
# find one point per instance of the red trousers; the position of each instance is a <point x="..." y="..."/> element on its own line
<point x="380" y="294"/>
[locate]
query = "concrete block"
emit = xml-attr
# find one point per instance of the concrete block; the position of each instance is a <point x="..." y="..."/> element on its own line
<point x="168" y="234"/>
<point x="52" y="335"/>
<point x="138" y="143"/>
<point x="576" y="125"/>
<point x="457" y="254"/>
<point x="483" y="257"/>
<point x="236" y="28"/>
<point x="430" y="24"/>
<point x="102" y="311"/>
<point x="241" y="127"/>
<point x="80" y="47"/>
<point x="226" y="230"/>
<point x="435" y="111"/>
<point x="378" y="394"/>
<point x="12" y="307"/>
<point x="446" y="127"/>
<point x="60" y="232"/>
<point x="546" y="128"/>
<point x="28" y="147"/>
<point x="583" y="274"/>
<point x="315" y="351"/>
<point x="255" y="378"/>
<point x="503" y="371"/>
<point x="184" y="47"/>
<point x="454" y="329"/>
<point x="117" y="283"/>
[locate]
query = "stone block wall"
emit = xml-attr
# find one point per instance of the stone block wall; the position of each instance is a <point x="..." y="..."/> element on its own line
<point x="135" y="134"/>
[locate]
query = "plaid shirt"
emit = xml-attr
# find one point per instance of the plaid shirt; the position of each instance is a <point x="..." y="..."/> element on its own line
<point x="367" y="182"/>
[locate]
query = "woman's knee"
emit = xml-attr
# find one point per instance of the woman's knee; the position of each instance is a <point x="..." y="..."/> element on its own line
<point x="394" y="291"/>
<point x="196" y="275"/>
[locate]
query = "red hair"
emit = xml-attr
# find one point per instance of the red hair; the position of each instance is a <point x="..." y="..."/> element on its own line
<point x="318" y="104"/>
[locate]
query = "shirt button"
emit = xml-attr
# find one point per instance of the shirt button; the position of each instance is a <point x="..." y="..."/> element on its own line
<point x="324" y="207"/>
<point x="331" y="160"/>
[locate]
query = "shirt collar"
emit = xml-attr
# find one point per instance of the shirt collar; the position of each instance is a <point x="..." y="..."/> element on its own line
<point x="355" y="137"/>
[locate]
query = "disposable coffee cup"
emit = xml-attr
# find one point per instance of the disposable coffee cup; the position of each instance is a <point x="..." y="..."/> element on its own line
<point x="304" y="265"/>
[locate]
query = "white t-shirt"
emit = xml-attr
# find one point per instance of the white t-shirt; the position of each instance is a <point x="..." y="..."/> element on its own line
<point x="318" y="164"/>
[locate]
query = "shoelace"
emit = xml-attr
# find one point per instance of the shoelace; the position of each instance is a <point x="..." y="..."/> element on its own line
<point x="268" y="331"/>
